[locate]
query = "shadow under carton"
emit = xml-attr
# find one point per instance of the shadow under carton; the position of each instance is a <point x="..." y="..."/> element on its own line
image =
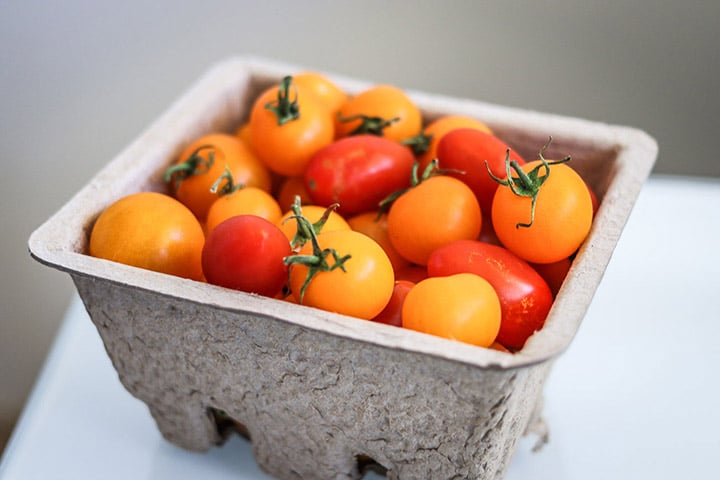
<point x="321" y="395"/>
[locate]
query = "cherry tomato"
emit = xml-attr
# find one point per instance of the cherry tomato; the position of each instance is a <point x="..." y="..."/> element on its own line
<point x="332" y="96"/>
<point x="411" y="272"/>
<point x="525" y="297"/>
<point x="553" y="226"/>
<point x="425" y="144"/>
<point x="206" y="159"/>
<point x="554" y="273"/>
<point x="437" y="211"/>
<point x="467" y="150"/>
<point x="361" y="288"/>
<point x="358" y="172"/>
<point x="462" y="307"/>
<point x="288" y="124"/>
<point x="376" y="228"/>
<point x="152" y="231"/>
<point x="290" y="188"/>
<point x="244" y="201"/>
<point x="392" y="313"/>
<point x="382" y="110"/>
<point x="313" y="213"/>
<point x="246" y="253"/>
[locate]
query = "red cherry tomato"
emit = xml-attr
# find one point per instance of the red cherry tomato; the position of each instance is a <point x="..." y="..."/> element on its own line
<point x="525" y="297"/>
<point x="392" y="314"/>
<point x="358" y="172"/>
<point x="246" y="252"/>
<point x="467" y="150"/>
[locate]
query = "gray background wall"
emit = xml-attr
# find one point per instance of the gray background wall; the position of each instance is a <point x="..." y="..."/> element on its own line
<point x="79" y="79"/>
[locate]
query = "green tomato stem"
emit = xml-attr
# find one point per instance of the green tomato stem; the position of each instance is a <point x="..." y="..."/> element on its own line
<point x="526" y="184"/>
<point x="368" y="124"/>
<point x="195" y="164"/>
<point x="285" y="109"/>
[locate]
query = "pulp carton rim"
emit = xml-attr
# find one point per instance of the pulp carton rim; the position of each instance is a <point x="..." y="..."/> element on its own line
<point x="59" y="241"/>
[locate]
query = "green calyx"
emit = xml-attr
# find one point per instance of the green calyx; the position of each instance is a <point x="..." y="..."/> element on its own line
<point x="430" y="171"/>
<point x="194" y="165"/>
<point x="419" y="144"/>
<point x="228" y="184"/>
<point x="526" y="184"/>
<point x="318" y="261"/>
<point x="368" y="124"/>
<point x="284" y="108"/>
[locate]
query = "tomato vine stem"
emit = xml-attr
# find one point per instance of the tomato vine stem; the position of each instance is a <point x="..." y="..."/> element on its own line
<point x="229" y="187"/>
<point x="526" y="184"/>
<point x="368" y="124"/>
<point x="431" y="170"/>
<point x="285" y="109"/>
<point x="317" y="261"/>
<point x="195" y="164"/>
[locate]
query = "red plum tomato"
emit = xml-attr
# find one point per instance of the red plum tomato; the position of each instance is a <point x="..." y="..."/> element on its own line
<point x="525" y="297"/>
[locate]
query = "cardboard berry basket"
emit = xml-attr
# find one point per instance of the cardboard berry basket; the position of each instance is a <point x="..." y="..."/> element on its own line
<point x="321" y="395"/>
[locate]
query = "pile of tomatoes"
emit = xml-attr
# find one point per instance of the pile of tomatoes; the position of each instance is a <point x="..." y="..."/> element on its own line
<point x="356" y="205"/>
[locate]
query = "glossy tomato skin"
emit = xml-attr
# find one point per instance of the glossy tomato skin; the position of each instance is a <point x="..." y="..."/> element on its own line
<point x="246" y="253"/>
<point x="467" y="150"/>
<point x="362" y="290"/>
<point x="525" y="297"/>
<point x="358" y="172"/>
<point x="462" y="307"/>
<point x="437" y="211"/>
<point x="287" y="147"/>
<point x="562" y="220"/>
<point x="150" y="230"/>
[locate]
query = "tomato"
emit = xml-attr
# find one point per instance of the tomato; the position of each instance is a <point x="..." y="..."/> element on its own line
<point x="243" y="133"/>
<point x="358" y="172"/>
<point x="245" y="201"/>
<point x="467" y="150"/>
<point x="525" y="297"/>
<point x="332" y="96"/>
<point x="204" y="161"/>
<point x="289" y="188"/>
<point x="552" y="224"/>
<point x="246" y="253"/>
<point x="392" y="313"/>
<point x="382" y="110"/>
<point x="554" y="273"/>
<point x="375" y="227"/>
<point x="411" y="272"/>
<point x="150" y="230"/>
<point x="425" y="144"/>
<point x="288" y="124"/>
<point x="358" y="282"/>
<point x="437" y="211"/>
<point x="462" y="307"/>
<point x="313" y="213"/>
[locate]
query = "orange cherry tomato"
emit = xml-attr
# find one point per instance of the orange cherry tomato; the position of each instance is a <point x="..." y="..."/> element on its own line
<point x="435" y="212"/>
<point x="289" y="188"/>
<point x="313" y="213"/>
<point x="394" y="115"/>
<point x="361" y="288"/>
<point x="376" y="228"/>
<point x="243" y="133"/>
<point x="150" y="230"/>
<point x="558" y="223"/>
<point x="462" y="307"/>
<point x="332" y="96"/>
<point x="204" y="161"/>
<point x="426" y="143"/>
<point x="244" y="201"/>
<point x="288" y="124"/>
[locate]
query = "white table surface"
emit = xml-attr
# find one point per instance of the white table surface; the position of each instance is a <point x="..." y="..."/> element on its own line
<point x="636" y="396"/>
